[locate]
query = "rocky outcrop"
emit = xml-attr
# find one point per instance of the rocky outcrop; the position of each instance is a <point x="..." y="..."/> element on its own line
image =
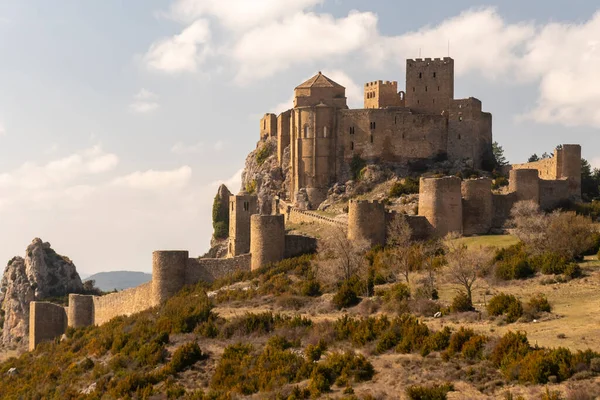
<point x="220" y="217"/>
<point x="42" y="274"/>
<point x="263" y="176"/>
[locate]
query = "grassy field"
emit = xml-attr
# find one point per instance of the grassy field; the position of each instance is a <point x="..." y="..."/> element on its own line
<point x="497" y="241"/>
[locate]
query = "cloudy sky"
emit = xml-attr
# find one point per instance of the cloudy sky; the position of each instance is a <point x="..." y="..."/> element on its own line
<point x="118" y="119"/>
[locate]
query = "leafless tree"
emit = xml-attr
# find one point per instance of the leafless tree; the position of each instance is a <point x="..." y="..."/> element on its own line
<point x="563" y="233"/>
<point x="341" y="258"/>
<point x="402" y="256"/>
<point x="465" y="265"/>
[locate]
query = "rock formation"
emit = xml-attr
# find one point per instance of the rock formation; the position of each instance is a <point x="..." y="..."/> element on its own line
<point x="263" y="176"/>
<point x="40" y="275"/>
<point x="220" y="217"/>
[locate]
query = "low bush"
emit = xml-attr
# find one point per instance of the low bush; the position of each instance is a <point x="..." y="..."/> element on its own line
<point x="408" y="186"/>
<point x="185" y="356"/>
<point x="512" y="263"/>
<point x="346" y="296"/>
<point x="461" y="303"/>
<point x="539" y="303"/>
<point x="311" y="287"/>
<point x="504" y="304"/>
<point x="433" y="392"/>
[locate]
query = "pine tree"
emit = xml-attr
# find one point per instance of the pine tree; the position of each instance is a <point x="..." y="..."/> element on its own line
<point x="499" y="154"/>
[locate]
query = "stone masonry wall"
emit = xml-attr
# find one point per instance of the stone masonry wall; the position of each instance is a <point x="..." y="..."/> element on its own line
<point x="126" y="302"/>
<point x="211" y="269"/>
<point x="46" y="322"/>
<point x="297" y="245"/>
<point x="366" y="220"/>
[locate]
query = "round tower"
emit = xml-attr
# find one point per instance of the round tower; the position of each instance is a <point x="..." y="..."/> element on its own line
<point x="477" y="206"/>
<point x="366" y="220"/>
<point x="168" y="273"/>
<point x="441" y="203"/>
<point x="525" y="183"/>
<point x="267" y="239"/>
<point x="81" y="311"/>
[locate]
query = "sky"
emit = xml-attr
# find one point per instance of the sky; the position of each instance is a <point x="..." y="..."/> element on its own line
<point x="120" y="118"/>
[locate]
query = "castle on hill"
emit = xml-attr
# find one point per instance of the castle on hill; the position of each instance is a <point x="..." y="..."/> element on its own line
<point x="423" y="123"/>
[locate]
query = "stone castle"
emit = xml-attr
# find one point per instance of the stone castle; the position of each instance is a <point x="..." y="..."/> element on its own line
<point x="425" y="122"/>
<point x="323" y="134"/>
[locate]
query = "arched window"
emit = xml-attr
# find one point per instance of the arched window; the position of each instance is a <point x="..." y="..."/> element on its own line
<point x="434" y="74"/>
<point x="420" y="75"/>
<point x="305" y="131"/>
<point x="324" y="131"/>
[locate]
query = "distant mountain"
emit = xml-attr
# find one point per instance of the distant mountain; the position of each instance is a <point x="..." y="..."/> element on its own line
<point x="108" y="281"/>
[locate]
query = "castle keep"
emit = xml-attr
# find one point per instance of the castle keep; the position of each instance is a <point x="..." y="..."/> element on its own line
<point x="424" y="122"/>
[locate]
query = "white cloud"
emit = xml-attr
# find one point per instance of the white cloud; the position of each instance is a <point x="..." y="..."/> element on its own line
<point x="233" y="183"/>
<point x="219" y="145"/>
<point x="182" y="148"/>
<point x="155" y="180"/>
<point x="2" y="129"/>
<point x="238" y="14"/>
<point x="184" y="52"/>
<point x="60" y="172"/>
<point x="300" y="39"/>
<point x="565" y="58"/>
<point x="144" y="102"/>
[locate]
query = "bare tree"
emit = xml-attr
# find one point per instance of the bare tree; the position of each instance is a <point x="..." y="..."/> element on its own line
<point x="564" y="233"/>
<point x="341" y="258"/>
<point x="402" y="255"/>
<point x="465" y="265"/>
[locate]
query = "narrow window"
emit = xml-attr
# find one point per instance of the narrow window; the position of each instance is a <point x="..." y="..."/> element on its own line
<point x="438" y="88"/>
<point x="425" y="88"/>
<point x="433" y="101"/>
<point x="420" y="75"/>
<point x="413" y="88"/>
<point x="305" y="131"/>
<point x="232" y="206"/>
<point x="246" y="206"/>
<point x="395" y="119"/>
<point x="265" y="124"/>
<point x="351" y="145"/>
<point x="371" y="138"/>
<point x="459" y="136"/>
<point x="402" y="135"/>
<point x="460" y="118"/>
<point x="324" y="131"/>
<point x="434" y="74"/>
<point x="418" y="101"/>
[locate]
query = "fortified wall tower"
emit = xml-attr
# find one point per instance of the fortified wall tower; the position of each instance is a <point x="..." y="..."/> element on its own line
<point x="440" y="202"/>
<point x="380" y="94"/>
<point x="267" y="240"/>
<point x="477" y="206"/>
<point x="429" y="84"/>
<point x="241" y="207"/>
<point x="366" y="220"/>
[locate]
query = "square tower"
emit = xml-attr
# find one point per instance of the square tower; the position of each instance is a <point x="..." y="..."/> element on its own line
<point x="241" y="207"/>
<point x="380" y="94"/>
<point x="268" y="126"/>
<point x="429" y="84"/>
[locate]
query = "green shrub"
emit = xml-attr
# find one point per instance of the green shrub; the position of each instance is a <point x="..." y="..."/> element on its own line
<point x="513" y="263"/>
<point x="549" y="263"/>
<point x="433" y="392"/>
<point x="539" y="303"/>
<point x="262" y="154"/>
<point x="346" y="296"/>
<point x="221" y="230"/>
<point x="512" y="346"/>
<point x="356" y="165"/>
<point x="185" y="356"/>
<point x="314" y="352"/>
<point x="408" y="186"/>
<point x="461" y="303"/>
<point x="458" y="340"/>
<point x="572" y="270"/>
<point x="311" y="287"/>
<point x="397" y="292"/>
<point x="440" y="340"/>
<point x="504" y="304"/>
<point x="472" y="349"/>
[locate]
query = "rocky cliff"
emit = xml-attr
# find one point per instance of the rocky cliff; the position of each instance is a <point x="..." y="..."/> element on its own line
<point x="220" y="218"/>
<point x="42" y="274"/>
<point x="263" y="176"/>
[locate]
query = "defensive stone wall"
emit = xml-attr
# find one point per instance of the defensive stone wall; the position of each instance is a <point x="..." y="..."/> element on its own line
<point x="47" y="321"/>
<point x="477" y="206"/>
<point x="296" y="216"/>
<point x="297" y="245"/>
<point x="211" y="269"/>
<point x="419" y="226"/>
<point x="553" y="193"/>
<point x="525" y="183"/>
<point x="366" y="220"/>
<point x="81" y="310"/>
<point x="267" y="240"/>
<point x="126" y="302"/>
<point x="502" y="204"/>
<point x="440" y="202"/>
